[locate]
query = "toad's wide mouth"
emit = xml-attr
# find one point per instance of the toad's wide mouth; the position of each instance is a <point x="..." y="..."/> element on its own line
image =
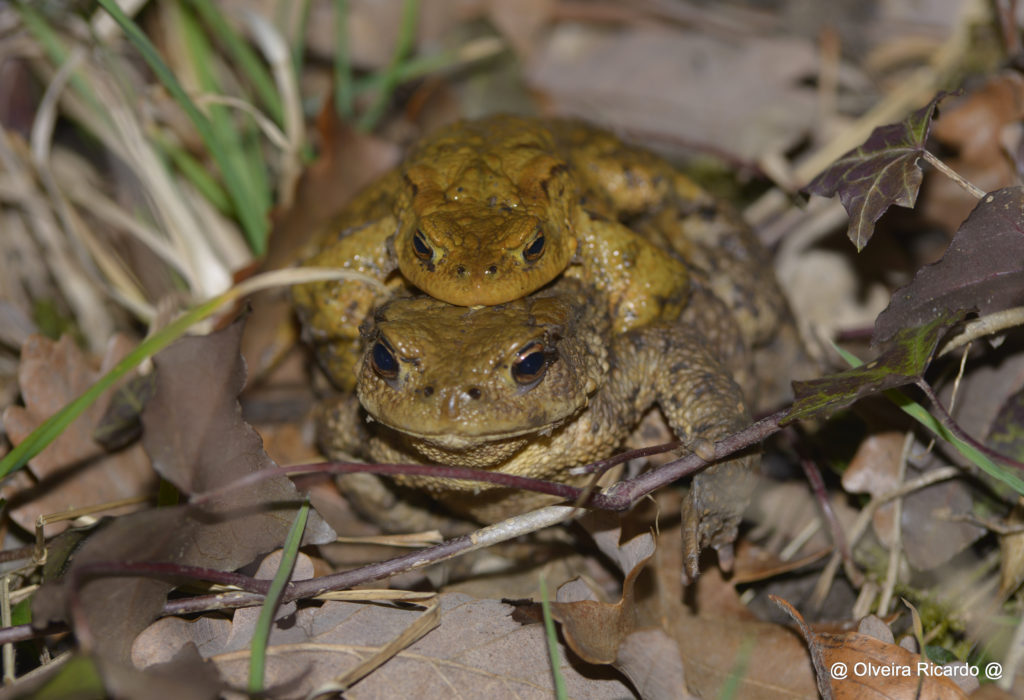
<point x="464" y="435"/>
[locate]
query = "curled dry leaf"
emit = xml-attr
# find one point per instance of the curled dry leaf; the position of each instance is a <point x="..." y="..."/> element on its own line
<point x="977" y="130"/>
<point x="593" y="629"/>
<point x="855" y="665"/>
<point x="73" y="470"/>
<point x="717" y="634"/>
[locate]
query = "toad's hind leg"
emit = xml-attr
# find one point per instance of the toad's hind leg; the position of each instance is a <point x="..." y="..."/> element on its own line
<point x="702" y="405"/>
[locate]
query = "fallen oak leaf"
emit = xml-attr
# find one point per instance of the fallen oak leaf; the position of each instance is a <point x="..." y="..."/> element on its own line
<point x="595" y="630"/>
<point x="477" y="646"/>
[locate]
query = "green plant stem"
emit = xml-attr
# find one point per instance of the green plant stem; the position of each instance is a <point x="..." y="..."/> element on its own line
<point x="261" y="633"/>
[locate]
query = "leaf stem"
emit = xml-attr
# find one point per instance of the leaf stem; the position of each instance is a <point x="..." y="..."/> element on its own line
<point x="953" y="175"/>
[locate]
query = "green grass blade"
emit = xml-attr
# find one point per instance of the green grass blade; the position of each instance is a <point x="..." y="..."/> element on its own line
<point x="554" y="658"/>
<point x="298" y="41"/>
<point x="344" y="98"/>
<point x="389" y="81"/>
<point x="245" y="58"/>
<point x="55" y="424"/>
<point x="53" y="46"/>
<point x="261" y="633"/>
<point x="922" y="416"/>
<point x="253" y="218"/>
<point x="195" y="172"/>
<point x="240" y="147"/>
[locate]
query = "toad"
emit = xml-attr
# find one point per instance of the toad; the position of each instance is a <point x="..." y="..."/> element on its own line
<point x="487" y="211"/>
<point x="542" y="384"/>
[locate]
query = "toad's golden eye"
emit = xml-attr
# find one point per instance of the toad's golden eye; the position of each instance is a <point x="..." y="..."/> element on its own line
<point x="383" y="360"/>
<point x="530" y="365"/>
<point x="533" y="251"/>
<point x="420" y="247"/>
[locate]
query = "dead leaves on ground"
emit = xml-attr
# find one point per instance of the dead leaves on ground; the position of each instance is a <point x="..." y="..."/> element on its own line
<point x="197" y="441"/>
<point x="74" y="470"/>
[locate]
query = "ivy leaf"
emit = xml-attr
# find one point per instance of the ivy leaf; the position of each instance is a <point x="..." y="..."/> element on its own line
<point x="982" y="269"/>
<point x="903" y="362"/>
<point x="879" y="173"/>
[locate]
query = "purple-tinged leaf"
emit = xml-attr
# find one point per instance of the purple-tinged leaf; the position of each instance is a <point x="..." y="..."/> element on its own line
<point x="879" y="173"/>
<point x="982" y="269"/>
<point x="903" y="362"/>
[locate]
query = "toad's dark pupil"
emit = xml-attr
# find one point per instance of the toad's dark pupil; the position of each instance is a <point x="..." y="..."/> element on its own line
<point x="531" y="364"/>
<point x="420" y="247"/>
<point x="535" y="249"/>
<point x="384" y="362"/>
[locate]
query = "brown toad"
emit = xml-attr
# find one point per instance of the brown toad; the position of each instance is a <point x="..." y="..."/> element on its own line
<point x="486" y="211"/>
<point x="539" y="385"/>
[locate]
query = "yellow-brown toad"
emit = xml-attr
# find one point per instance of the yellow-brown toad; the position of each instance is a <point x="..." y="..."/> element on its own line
<point x="539" y="385"/>
<point x="486" y="211"/>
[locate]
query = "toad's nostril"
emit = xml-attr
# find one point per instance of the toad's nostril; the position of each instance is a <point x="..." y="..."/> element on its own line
<point x="474" y="392"/>
<point x="428" y="391"/>
<point x="460" y="270"/>
<point x="492" y="269"/>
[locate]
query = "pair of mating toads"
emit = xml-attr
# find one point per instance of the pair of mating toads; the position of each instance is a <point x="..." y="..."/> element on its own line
<point x="572" y="284"/>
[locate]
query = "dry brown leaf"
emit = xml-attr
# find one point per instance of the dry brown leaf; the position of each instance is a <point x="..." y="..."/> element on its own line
<point x="930" y="537"/>
<point x="874" y="469"/>
<point x="197" y="440"/>
<point x="520" y="22"/>
<point x="976" y="130"/>
<point x="477" y="646"/>
<point x="754" y="563"/>
<point x="593" y="629"/>
<point x="650" y="659"/>
<point x="718" y="636"/>
<point x="933" y="530"/>
<point x="857" y="666"/>
<point x="73" y="470"/>
<point x="696" y="89"/>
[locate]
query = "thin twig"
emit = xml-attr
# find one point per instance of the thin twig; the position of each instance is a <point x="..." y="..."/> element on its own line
<point x="954" y="427"/>
<point x="817" y="484"/>
<point x="896" y="546"/>
<point x="986" y="325"/>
